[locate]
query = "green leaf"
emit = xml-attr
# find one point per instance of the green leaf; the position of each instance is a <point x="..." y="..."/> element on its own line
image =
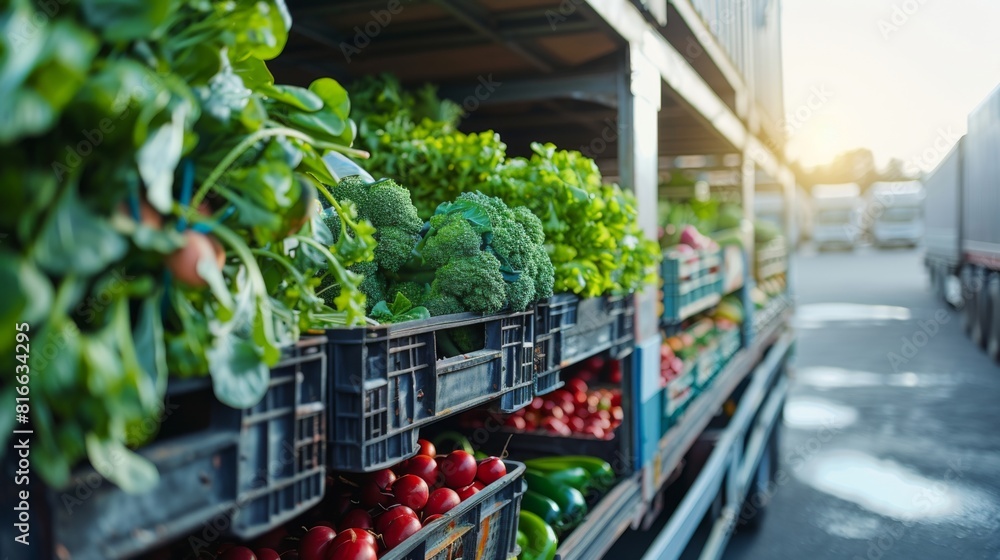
<point x="128" y="20"/>
<point x="131" y="472"/>
<point x="334" y="96"/>
<point x="254" y="73"/>
<point x="27" y="293"/>
<point x="148" y="335"/>
<point x="158" y="157"/>
<point x="293" y="96"/>
<point x="75" y="240"/>
<point x="239" y="376"/>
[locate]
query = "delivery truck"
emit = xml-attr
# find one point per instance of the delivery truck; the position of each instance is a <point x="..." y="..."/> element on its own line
<point x="963" y="229"/>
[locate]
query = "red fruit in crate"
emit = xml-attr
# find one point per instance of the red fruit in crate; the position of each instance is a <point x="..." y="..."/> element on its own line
<point x="577" y="385"/>
<point x="516" y="422"/>
<point x="616" y="399"/>
<point x="583" y="412"/>
<point x="617" y="414"/>
<point x="353" y="551"/>
<point x="594" y="430"/>
<point x="441" y="501"/>
<point x="432" y="518"/>
<point x="426" y="448"/>
<point x="467" y="492"/>
<point x="266" y="554"/>
<point x="594" y="363"/>
<point x="238" y="553"/>
<point x="615" y="373"/>
<point x="677" y="365"/>
<point x="400" y="529"/>
<point x="355" y="519"/>
<point x="374" y="492"/>
<point x="411" y="491"/>
<point x="576" y="424"/>
<point x="491" y="470"/>
<point x="556" y="426"/>
<point x="383" y="520"/>
<point x="458" y="468"/>
<point x="315" y="542"/>
<point x="536" y="403"/>
<point x="354" y="535"/>
<point x="552" y="409"/>
<point x="423" y="466"/>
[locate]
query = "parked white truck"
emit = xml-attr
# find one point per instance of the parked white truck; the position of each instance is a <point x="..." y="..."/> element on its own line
<point x="894" y="214"/>
<point x="836" y="215"/>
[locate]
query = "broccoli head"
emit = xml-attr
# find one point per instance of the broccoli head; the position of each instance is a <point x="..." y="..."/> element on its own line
<point x="474" y="282"/>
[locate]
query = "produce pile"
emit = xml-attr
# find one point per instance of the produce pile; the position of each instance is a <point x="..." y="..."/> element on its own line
<point x="678" y="352"/>
<point x="590" y="228"/>
<point x="160" y="215"/>
<point x="364" y="516"/>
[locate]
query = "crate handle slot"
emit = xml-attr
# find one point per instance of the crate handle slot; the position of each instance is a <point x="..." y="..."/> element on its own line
<point x="465" y="361"/>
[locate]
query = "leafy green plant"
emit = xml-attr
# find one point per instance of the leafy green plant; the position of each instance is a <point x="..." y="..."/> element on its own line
<point x="146" y="140"/>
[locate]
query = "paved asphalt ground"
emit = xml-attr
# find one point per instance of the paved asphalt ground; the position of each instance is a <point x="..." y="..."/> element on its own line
<point x="891" y="442"/>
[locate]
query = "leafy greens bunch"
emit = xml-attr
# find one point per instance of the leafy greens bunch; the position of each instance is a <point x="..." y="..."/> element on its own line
<point x="160" y="215"/>
<point x="590" y="228"/>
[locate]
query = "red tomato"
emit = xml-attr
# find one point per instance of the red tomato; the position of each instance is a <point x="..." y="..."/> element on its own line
<point x="267" y="554"/>
<point x="375" y="492"/>
<point x="411" y="491"/>
<point x="577" y="386"/>
<point x="355" y="519"/>
<point x="353" y="550"/>
<point x="183" y="263"/>
<point x="352" y="535"/>
<point x="423" y="466"/>
<point x="426" y="448"/>
<point x="315" y="542"/>
<point x="459" y="469"/>
<point x="491" y="470"/>
<point x="516" y="422"/>
<point x="576" y="424"/>
<point x="441" y="501"/>
<point x="400" y="529"/>
<point x="432" y="518"/>
<point x="383" y="520"/>
<point x="467" y="492"/>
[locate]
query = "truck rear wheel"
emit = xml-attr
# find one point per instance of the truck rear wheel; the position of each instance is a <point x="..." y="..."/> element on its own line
<point x="993" y="302"/>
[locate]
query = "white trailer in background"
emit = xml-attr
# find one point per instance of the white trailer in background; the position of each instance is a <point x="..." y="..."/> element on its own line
<point x="895" y="213"/>
<point x="963" y="226"/>
<point x="836" y="215"/>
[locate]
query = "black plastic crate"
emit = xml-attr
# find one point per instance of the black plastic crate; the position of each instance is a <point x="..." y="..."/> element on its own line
<point x="484" y="527"/>
<point x="603" y="323"/>
<point x="282" y="468"/>
<point x="552" y="317"/>
<point x="387" y="381"/>
<point x="222" y="470"/>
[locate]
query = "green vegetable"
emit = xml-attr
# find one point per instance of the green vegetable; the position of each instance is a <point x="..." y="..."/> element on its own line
<point x="450" y="441"/>
<point x="399" y="311"/>
<point x="567" y="475"/>
<point x="477" y="256"/>
<point x="522" y="540"/>
<point x="602" y="476"/>
<point x="541" y="539"/>
<point x="137" y="135"/>
<point x="543" y="507"/>
<point x="572" y="505"/>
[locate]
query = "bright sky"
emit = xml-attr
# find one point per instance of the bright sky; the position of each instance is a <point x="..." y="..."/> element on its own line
<point x="901" y="84"/>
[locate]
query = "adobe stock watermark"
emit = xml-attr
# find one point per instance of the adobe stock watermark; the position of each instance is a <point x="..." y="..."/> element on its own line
<point x="610" y="132"/>
<point x="482" y="92"/>
<point x="365" y="34"/>
<point x="931" y="155"/>
<point x="923" y="503"/>
<point x="911" y="345"/>
<point x="76" y="154"/>
<point x="562" y="13"/>
<point x="899" y="16"/>
<point x="22" y="34"/>
<point x="757" y="499"/>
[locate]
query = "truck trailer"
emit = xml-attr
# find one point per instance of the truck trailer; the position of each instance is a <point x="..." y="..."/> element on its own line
<point x="963" y="229"/>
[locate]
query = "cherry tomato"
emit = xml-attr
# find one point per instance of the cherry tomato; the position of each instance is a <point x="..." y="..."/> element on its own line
<point x="355" y="519"/>
<point x="315" y="542"/>
<point x="441" y="501"/>
<point x="426" y="448"/>
<point x="423" y="466"/>
<point x="459" y="469"/>
<point x="490" y="470"/>
<point x="400" y="529"/>
<point x="411" y="491"/>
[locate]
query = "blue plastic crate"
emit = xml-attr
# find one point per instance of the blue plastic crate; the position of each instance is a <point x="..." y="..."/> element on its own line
<point x="388" y="380"/>
<point x="690" y="286"/>
<point x="552" y="317"/>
